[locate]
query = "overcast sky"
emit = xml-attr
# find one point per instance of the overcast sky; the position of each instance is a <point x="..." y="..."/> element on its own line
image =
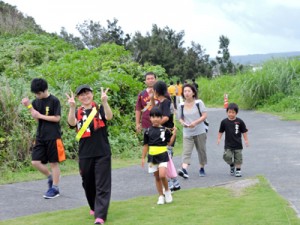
<point x="252" y="26"/>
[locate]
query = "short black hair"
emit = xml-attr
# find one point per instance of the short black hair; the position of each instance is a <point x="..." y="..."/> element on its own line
<point x="193" y="79"/>
<point x="156" y="112"/>
<point x="38" y="85"/>
<point x="192" y="87"/>
<point x="150" y="73"/>
<point x="160" y="88"/>
<point x="233" y="106"/>
<point x="171" y="82"/>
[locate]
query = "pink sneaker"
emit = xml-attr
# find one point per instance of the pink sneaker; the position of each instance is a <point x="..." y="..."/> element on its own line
<point x="99" y="221"/>
<point x="92" y="212"/>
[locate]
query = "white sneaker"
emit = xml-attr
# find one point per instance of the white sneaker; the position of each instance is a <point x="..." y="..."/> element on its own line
<point x="161" y="200"/>
<point x="168" y="196"/>
<point x="238" y="173"/>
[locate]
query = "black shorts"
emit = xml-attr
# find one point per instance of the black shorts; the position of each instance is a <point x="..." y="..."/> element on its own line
<point x="160" y="158"/>
<point x="48" y="151"/>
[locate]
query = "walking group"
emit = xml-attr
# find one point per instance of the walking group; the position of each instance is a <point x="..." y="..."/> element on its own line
<point x="157" y="110"/>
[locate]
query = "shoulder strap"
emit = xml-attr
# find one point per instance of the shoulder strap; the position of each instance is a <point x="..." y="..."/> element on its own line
<point x="86" y="124"/>
<point x="198" y="106"/>
<point x="205" y="121"/>
<point x="182" y="111"/>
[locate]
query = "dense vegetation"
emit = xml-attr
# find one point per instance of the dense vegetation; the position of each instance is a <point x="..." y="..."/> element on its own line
<point x="107" y="66"/>
<point x="27" y="52"/>
<point x="273" y="88"/>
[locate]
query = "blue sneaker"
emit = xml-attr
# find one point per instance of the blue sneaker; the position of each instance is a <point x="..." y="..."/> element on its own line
<point x="51" y="193"/>
<point x="202" y="172"/>
<point x="50" y="182"/>
<point x="183" y="173"/>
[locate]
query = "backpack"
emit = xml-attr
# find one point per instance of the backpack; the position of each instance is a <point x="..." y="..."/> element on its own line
<point x="206" y="123"/>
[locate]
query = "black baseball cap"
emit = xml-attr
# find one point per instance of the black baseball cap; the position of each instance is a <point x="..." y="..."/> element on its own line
<point x="83" y="87"/>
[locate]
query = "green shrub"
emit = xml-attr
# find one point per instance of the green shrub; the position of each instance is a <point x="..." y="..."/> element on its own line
<point x="15" y="137"/>
<point x="109" y="66"/>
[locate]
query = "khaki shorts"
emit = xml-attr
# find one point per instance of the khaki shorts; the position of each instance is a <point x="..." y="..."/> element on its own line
<point x="233" y="156"/>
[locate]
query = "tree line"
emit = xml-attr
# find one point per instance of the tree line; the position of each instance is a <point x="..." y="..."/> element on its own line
<point x="160" y="46"/>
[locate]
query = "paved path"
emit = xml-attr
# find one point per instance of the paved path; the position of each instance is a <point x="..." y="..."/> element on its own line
<point x="273" y="152"/>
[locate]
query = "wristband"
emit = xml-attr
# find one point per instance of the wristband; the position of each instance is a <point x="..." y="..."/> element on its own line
<point x="29" y="106"/>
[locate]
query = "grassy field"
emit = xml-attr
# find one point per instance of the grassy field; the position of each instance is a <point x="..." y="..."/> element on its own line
<point x="255" y="205"/>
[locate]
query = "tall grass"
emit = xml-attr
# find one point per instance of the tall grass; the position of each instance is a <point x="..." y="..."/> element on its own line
<point x="274" y="88"/>
<point x="14" y="122"/>
<point x="213" y="91"/>
<point x="275" y="79"/>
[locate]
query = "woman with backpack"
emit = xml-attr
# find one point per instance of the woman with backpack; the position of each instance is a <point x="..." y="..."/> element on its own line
<point x="192" y="116"/>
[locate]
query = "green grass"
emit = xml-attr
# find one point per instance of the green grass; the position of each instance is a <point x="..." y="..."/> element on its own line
<point x="258" y="204"/>
<point x="286" y="115"/>
<point x="70" y="167"/>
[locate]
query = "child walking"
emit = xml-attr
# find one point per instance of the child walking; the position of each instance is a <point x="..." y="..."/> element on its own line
<point x="156" y="140"/>
<point x="48" y="147"/>
<point x="167" y="108"/>
<point x="233" y="127"/>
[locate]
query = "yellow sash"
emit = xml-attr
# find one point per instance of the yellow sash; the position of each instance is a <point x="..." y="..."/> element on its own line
<point x="155" y="150"/>
<point x="86" y="124"/>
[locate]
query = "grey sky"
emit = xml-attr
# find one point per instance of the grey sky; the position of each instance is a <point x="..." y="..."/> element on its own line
<point x="253" y="27"/>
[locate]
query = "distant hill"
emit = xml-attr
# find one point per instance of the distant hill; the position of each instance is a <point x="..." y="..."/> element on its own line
<point x="260" y="58"/>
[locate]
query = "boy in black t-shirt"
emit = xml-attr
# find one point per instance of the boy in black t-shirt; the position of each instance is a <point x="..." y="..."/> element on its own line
<point x="233" y="127"/>
<point x="48" y="147"/>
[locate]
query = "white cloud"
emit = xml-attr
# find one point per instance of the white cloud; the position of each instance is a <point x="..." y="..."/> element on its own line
<point x="257" y="26"/>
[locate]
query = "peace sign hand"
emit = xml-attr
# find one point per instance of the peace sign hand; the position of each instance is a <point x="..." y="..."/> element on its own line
<point x="71" y="99"/>
<point x="104" y="95"/>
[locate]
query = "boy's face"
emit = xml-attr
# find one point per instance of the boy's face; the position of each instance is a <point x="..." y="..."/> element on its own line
<point x="231" y="114"/>
<point x="41" y="94"/>
<point x="156" y="120"/>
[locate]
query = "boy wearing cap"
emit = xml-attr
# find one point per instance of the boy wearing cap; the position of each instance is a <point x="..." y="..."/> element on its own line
<point x="48" y="147"/>
<point x="90" y="121"/>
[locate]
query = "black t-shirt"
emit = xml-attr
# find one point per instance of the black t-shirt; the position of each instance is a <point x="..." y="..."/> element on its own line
<point x="165" y="107"/>
<point x="97" y="144"/>
<point x="233" y="133"/>
<point x="49" y="106"/>
<point x="157" y="136"/>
